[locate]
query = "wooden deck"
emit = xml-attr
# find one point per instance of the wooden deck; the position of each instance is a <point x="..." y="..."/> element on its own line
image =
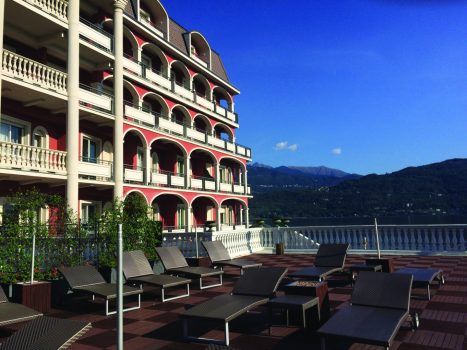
<point x="443" y="319"/>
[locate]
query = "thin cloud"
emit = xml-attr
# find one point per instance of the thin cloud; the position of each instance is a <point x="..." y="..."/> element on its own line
<point x="284" y="146"/>
<point x="336" y="151"/>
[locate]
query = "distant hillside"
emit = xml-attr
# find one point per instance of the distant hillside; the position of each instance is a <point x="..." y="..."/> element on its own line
<point x="434" y="189"/>
<point x="265" y="178"/>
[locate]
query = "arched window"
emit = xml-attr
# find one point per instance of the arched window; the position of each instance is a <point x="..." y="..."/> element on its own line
<point x="40" y="138"/>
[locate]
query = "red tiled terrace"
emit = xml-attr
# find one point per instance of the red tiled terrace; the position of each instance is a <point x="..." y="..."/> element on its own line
<point x="443" y="319"/>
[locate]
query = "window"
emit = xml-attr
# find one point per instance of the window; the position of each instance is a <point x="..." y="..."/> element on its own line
<point x="146" y="60"/>
<point x="181" y="216"/>
<point x="90" y="150"/>
<point x="156" y="216"/>
<point x="140" y="158"/>
<point x="145" y="17"/>
<point x="227" y="216"/>
<point x="39" y="138"/>
<point x="155" y="162"/>
<point x="225" y="175"/>
<point x="180" y="166"/>
<point x="89" y="214"/>
<point x="11" y="133"/>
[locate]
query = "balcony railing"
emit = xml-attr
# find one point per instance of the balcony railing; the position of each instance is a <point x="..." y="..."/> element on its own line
<point x="165" y="178"/>
<point x="29" y="158"/>
<point x="157" y="121"/>
<point x="95" y="169"/>
<point x="203" y="183"/>
<point x="134" y="174"/>
<point x="34" y="73"/>
<point x="420" y="238"/>
<point x="92" y="98"/>
<point x="56" y="8"/>
<point x="138" y="68"/>
<point x="95" y="35"/>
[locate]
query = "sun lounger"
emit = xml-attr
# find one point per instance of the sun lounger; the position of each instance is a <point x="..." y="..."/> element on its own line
<point x="379" y="305"/>
<point x="175" y="264"/>
<point x="46" y="333"/>
<point x="88" y="280"/>
<point x="423" y="277"/>
<point x="220" y="257"/>
<point x="13" y="313"/>
<point x="254" y="288"/>
<point x="330" y="258"/>
<point x="137" y="270"/>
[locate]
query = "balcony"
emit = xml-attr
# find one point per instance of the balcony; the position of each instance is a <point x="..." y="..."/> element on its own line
<point x="55" y="8"/>
<point x="95" y="169"/>
<point x="132" y="65"/>
<point x="199" y="60"/>
<point x="164" y="178"/>
<point x="157" y="78"/>
<point x="32" y="159"/>
<point x="203" y="183"/>
<point x="182" y="91"/>
<point x="93" y="99"/>
<point x="151" y="26"/>
<point x="96" y="36"/>
<point x="161" y="122"/>
<point x="33" y="73"/>
<point x="134" y="174"/>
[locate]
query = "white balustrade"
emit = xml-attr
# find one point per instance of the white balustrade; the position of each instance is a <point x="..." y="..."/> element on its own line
<point x="216" y="142"/>
<point x="158" y="79"/>
<point x="196" y="183"/>
<point x="140" y="115"/>
<point x="23" y="157"/>
<point x="239" y="189"/>
<point x="100" y="101"/>
<point x="95" y="169"/>
<point x="209" y="185"/>
<point x="56" y="8"/>
<point x="204" y="102"/>
<point x="180" y="90"/>
<point x="241" y="150"/>
<point x="225" y="187"/>
<point x="170" y="126"/>
<point x="230" y="146"/>
<point x="95" y="36"/>
<point x="176" y="180"/>
<point x="29" y="71"/>
<point x="159" y="179"/>
<point x="132" y="66"/>
<point x="421" y="238"/>
<point x="134" y="175"/>
<point x="196" y="135"/>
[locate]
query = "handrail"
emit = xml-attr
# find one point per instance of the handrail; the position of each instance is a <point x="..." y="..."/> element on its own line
<point x="96" y="27"/>
<point x="94" y="90"/>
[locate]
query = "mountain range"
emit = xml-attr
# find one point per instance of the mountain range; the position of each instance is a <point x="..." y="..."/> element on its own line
<point x="266" y="178"/>
<point x="433" y="189"/>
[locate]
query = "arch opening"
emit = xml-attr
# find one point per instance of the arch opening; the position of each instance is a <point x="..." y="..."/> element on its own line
<point x="172" y="211"/>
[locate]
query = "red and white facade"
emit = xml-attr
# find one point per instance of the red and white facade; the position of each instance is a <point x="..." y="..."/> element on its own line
<point x="100" y="99"/>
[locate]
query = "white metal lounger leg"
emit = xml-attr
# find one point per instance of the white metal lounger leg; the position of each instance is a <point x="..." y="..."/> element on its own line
<point x="323" y="344"/>
<point x="211" y="285"/>
<point x="164" y="299"/>
<point x="226" y="340"/>
<point x="107" y="313"/>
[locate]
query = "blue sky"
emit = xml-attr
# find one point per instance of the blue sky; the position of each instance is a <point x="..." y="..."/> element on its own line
<point x="366" y="86"/>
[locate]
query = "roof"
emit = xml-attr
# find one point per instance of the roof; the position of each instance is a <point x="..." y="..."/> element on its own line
<point x="177" y="38"/>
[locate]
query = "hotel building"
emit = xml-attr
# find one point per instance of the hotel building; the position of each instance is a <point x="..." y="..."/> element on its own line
<point x="100" y="99"/>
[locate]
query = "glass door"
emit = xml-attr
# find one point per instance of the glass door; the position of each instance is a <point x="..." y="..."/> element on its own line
<point x="90" y="151"/>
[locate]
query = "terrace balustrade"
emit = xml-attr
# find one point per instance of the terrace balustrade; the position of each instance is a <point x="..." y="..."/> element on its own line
<point x="34" y="73"/>
<point x="95" y="99"/>
<point x="95" y="169"/>
<point x="27" y="158"/>
<point x="56" y="8"/>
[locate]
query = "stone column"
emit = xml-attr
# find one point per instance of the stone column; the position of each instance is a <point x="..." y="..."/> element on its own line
<point x="218" y="175"/>
<point x="72" y="119"/>
<point x="218" y="217"/>
<point x="119" y="6"/>
<point x="2" y="22"/>
<point x="240" y="212"/>
<point x="187" y="172"/>
<point x="148" y="162"/>
<point x="189" y="218"/>
<point x="247" y="217"/>
<point x="245" y="180"/>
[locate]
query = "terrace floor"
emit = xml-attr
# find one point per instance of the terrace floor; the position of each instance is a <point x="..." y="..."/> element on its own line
<point x="443" y="319"/>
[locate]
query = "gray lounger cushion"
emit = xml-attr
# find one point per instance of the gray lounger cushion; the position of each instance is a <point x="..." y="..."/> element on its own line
<point x="220" y="256"/>
<point x="137" y="269"/>
<point x="379" y="305"/>
<point x="13" y="313"/>
<point x="330" y="258"/>
<point x="46" y="333"/>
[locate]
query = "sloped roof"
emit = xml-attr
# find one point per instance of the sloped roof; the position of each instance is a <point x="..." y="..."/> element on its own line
<point x="177" y="38"/>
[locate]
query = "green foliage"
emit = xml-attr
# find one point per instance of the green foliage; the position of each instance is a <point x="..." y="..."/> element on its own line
<point x="55" y="239"/>
<point x="139" y="230"/>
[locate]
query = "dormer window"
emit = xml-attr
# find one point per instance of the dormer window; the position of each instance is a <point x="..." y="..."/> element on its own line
<point x="193" y="51"/>
<point x="145" y="17"/>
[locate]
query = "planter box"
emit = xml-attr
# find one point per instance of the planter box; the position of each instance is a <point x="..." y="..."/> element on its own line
<point x="37" y="296"/>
